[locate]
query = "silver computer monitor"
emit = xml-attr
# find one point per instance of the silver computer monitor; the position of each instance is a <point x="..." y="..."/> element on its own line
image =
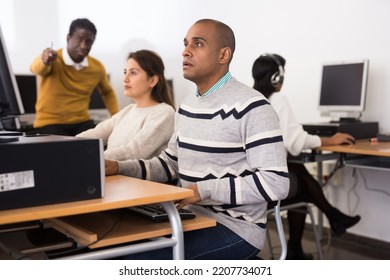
<point x="343" y="89"/>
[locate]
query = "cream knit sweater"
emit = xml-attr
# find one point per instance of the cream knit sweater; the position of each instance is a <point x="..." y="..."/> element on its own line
<point x="135" y="133"/>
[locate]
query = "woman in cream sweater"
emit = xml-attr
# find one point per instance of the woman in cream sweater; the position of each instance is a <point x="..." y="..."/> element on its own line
<point x="142" y="129"/>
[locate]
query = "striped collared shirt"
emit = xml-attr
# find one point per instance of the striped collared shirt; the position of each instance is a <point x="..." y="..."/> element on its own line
<point x="217" y="85"/>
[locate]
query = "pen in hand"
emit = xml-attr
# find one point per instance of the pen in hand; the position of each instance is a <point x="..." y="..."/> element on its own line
<point x="49" y="55"/>
<point x="51" y="50"/>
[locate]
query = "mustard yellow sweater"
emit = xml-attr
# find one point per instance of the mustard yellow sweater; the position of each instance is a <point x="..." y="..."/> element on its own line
<point x="64" y="93"/>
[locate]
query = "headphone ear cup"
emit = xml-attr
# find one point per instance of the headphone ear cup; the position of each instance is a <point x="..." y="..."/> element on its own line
<point x="275" y="79"/>
<point x="278" y="77"/>
<point x="281" y="79"/>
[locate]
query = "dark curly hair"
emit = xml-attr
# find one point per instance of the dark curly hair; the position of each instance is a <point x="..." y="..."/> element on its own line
<point x="82" y="23"/>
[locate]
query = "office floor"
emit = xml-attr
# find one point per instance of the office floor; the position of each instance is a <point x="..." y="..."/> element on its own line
<point x="346" y="247"/>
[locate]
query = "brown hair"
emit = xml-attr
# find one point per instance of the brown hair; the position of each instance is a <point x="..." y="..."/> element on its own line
<point x="152" y="64"/>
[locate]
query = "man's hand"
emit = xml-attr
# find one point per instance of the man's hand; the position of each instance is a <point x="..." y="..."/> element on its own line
<point x="112" y="167"/>
<point x="191" y="200"/>
<point x="48" y="56"/>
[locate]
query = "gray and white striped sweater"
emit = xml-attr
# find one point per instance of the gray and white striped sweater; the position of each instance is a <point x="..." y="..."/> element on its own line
<point x="231" y="145"/>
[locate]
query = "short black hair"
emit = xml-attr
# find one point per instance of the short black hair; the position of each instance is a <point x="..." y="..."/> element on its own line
<point x="83" y="23"/>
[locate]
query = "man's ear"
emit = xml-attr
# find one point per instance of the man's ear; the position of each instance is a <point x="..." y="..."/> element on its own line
<point x="225" y="55"/>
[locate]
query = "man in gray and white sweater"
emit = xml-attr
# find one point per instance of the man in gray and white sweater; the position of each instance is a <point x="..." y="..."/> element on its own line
<point x="227" y="147"/>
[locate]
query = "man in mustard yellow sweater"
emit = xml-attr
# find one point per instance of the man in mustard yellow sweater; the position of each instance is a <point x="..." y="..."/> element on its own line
<point x="66" y="79"/>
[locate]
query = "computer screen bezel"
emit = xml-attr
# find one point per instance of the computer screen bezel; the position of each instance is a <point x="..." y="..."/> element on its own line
<point x="341" y="110"/>
<point x="10" y="99"/>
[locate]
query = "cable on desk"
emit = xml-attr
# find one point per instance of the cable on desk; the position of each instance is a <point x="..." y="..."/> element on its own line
<point x="340" y="164"/>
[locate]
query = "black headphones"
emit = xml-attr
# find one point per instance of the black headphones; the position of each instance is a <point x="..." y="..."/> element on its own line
<point x="278" y="77"/>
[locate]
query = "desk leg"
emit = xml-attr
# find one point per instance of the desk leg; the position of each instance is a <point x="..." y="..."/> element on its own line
<point x="320" y="174"/>
<point x="177" y="230"/>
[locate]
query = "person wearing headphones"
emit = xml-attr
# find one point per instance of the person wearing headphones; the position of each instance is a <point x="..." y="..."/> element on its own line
<point x="268" y="74"/>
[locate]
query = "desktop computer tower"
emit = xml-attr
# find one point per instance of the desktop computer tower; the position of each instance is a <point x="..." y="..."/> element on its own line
<point x="359" y="130"/>
<point x="40" y="170"/>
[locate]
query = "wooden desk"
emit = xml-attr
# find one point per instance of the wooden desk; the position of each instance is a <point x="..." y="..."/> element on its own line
<point x="361" y="147"/>
<point x="120" y="192"/>
<point x="363" y="154"/>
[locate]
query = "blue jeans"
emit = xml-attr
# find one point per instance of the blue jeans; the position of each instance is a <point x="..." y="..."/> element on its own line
<point x="214" y="243"/>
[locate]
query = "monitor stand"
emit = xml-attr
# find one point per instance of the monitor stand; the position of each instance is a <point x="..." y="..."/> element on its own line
<point x="346" y="120"/>
<point x="8" y="139"/>
<point x="8" y="136"/>
<point x="345" y="117"/>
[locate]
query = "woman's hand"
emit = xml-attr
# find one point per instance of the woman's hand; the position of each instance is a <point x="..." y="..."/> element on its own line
<point x="112" y="167"/>
<point x="337" y="139"/>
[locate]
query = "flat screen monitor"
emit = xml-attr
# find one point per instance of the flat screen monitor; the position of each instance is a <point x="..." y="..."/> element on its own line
<point x="343" y="89"/>
<point x="10" y="100"/>
<point x="97" y="110"/>
<point x="28" y="88"/>
<point x="96" y="100"/>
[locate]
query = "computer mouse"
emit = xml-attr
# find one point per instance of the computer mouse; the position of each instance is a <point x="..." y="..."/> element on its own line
<point x="346" y="143"/>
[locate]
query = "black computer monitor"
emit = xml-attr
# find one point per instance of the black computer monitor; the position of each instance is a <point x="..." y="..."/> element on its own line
<point x="10" y="101"/>
<point x="28" y="88"/>
<point x="343" y="89"/>
<point x="97" y="110"/>
<point x="96" y="100"/>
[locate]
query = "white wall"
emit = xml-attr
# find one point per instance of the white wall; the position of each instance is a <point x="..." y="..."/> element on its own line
<point x="306" y="32"/>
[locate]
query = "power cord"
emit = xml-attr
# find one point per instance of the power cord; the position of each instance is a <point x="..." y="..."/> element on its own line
<point x="353" y="191"/>
<point x="371" y="189"/>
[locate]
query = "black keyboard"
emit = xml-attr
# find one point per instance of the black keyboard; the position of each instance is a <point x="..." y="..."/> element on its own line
<point x="26" y="126"/>
<point x="156" y="213"/>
